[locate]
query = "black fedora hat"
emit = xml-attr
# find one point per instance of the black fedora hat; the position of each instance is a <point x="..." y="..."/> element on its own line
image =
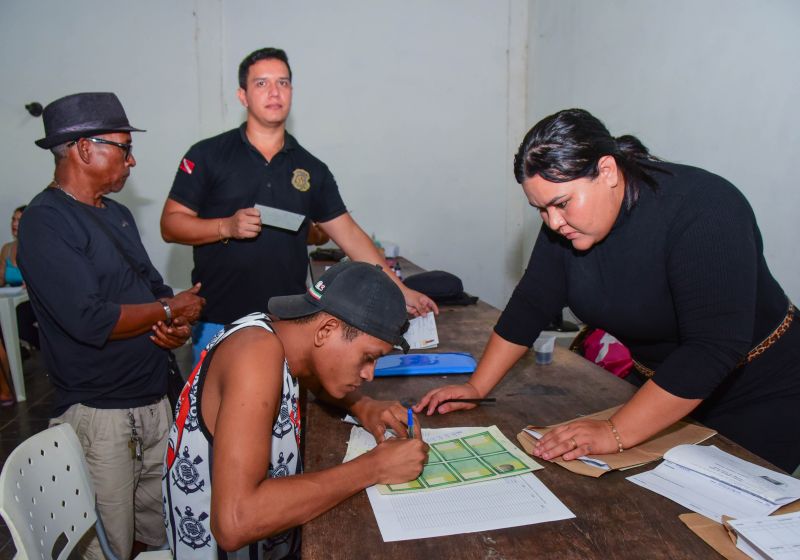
<point x="80" y="115"/>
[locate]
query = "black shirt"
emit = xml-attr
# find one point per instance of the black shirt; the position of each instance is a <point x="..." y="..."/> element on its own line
<point x="223" y="174"/>
<point x="77" y="280"/>
<point x="681" y="280"/>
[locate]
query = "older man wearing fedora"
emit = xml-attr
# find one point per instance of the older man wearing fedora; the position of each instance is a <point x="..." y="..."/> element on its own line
<point x="106" y="318"/>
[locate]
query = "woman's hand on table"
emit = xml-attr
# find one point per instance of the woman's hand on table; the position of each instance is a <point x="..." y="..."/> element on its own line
<point x="573" y="440"/>
<point x="434" y="398"/>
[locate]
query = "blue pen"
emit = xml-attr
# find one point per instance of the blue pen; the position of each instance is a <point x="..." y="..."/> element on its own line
<point x="410" y="424"/>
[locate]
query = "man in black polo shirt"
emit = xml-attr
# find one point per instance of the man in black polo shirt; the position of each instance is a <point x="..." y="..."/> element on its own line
<point x="220" y="179"/>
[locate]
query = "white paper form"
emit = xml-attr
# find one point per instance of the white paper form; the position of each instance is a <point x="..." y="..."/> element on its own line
<point x="507" y="502"/>
<point x="776" y="537"/>
<point x="748" y="549"/>
<point x="482" y="506"/>
<point x="700" y="493"/>
<point x="711" y="461"/>
<point x="713" y="483"/>
<point x="362" y="441"/>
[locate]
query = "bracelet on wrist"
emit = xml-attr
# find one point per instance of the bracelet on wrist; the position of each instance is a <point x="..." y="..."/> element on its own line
<point x="224" y="240"/>
<point x="615" y="433"/>
<point x="167" y="310"/>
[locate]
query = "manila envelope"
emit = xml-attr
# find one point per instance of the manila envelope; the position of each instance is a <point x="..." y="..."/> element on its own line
<point x="650" y="450"/>
<point x="718" y="536"/>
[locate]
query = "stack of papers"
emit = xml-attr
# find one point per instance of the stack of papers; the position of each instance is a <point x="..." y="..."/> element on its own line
<point x="713" y="483"/>
<point x="723" y="539"/>
<point x="505" y="502"/>
<point x="776" y="537"/>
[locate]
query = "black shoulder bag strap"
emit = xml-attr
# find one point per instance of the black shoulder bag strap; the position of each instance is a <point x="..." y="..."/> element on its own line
<point x="107" y="230"/>
<point x="175" y="379"/>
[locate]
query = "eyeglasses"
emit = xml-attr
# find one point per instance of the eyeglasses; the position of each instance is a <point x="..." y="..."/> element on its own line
<point x="126" y="148"/>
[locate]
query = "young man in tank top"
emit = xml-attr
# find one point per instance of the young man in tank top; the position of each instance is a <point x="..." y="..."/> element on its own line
<point x="234" y="478"/>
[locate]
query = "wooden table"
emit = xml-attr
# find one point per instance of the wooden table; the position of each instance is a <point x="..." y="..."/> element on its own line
<point x="614" y="518"/>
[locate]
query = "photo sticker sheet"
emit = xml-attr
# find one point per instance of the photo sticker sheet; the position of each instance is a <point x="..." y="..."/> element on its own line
<point x="433" y="456"/>
<point x="437" y="474"/>
<point x="479" y="454"/>
<point x="483" y="444"/>
<point x="451" y="450"/>
<point x="472" y="469"/>
<point x="505" y="463"/>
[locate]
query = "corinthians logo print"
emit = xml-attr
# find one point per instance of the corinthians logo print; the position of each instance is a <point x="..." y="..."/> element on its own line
<point x="301" y="180"/>
<point x="191" y="530"/>
<point x="185" y="474"/>
<point x="282" y="468"/>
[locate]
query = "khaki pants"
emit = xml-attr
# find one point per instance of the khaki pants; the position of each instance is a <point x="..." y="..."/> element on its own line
<point x="128" y="490"/>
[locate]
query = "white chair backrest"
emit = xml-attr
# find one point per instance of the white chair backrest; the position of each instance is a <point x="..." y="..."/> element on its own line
<point x="46" y="497"/>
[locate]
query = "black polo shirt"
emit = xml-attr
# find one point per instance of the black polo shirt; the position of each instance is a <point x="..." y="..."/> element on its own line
<point x="223" y="174"/>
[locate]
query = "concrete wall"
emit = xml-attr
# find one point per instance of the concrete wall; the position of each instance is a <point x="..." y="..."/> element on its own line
<point x="418" y="106"/>
<point x="144" y="52"/>
<point x="407" y="103"/>
<point x="711" y="83"/>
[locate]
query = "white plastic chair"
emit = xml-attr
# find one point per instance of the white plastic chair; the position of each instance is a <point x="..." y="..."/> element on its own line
<point x="46" y="497"/>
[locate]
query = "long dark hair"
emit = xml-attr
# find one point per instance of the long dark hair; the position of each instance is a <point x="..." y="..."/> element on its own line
<point x="567" y="145"/>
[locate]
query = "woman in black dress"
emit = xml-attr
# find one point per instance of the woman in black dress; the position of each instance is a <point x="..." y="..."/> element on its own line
<point x="667" y="258"/>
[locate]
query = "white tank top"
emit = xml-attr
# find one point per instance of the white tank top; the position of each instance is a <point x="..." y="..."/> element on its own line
<point x="186" y="483"/>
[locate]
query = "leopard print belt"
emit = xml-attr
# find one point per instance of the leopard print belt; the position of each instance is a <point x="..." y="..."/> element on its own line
<point x="759" y="348"/>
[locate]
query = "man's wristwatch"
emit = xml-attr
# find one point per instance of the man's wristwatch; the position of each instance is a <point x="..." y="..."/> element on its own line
<point x="167" y="310"/>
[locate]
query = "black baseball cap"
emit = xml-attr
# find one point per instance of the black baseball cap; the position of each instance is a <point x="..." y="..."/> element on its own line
<point x="358" y="293"/>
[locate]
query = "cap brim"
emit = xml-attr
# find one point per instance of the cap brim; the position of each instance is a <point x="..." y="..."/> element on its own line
<point x="54" y="140"/>
<point x="292" y="307"/>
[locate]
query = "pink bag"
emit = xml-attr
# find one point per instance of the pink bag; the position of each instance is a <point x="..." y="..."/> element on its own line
<point x="607" y="352"/>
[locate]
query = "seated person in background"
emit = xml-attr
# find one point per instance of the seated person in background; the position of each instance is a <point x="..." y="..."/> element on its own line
<point x="9" y="271"/>
<point x="237" y="435"/>
<point x="11" y="276"/>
